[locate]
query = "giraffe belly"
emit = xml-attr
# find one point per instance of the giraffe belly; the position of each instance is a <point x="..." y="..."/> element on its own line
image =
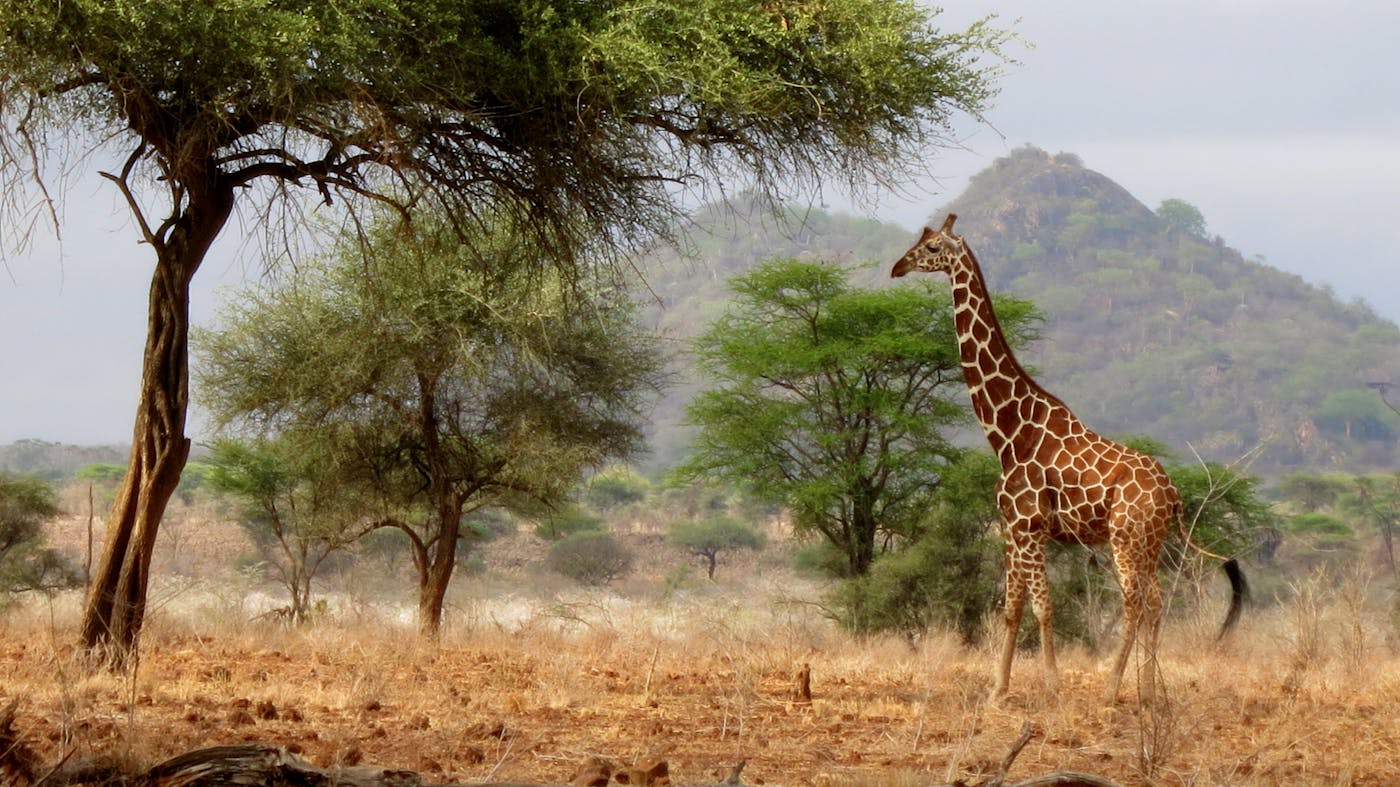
<point x="1079" y="520"/>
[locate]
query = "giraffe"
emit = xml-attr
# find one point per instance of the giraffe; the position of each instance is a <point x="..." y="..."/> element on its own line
<point x="1059" y="480"/>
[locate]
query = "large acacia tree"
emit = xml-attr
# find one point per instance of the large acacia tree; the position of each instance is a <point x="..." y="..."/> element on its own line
<point x="581" y="118"/>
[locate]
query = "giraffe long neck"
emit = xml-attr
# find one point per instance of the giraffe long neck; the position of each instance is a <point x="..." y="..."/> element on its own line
<point x="1006" y="401"/>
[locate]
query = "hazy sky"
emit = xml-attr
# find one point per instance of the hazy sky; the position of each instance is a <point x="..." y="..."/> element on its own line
<point x="1280" y="120"/>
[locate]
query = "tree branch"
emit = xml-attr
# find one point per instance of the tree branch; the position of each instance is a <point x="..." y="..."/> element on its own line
<point x="124" y="186"/>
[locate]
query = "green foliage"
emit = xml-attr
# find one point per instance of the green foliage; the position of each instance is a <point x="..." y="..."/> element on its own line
<point x="25" y="563"/>
<point x="1358" y="414"/>
<point x="566" y="521"/>
<point x="833" y="400"/>
<point x="1376" y="501"/>
<point x="821" y="560"/>
<point x="1183" y="216"/>
<point x="1310" y="491"/>
<point x="616" y="487"/>
<point x="1316" y="524"/>
<point x="476" y="104"/>
<point x="437" y="381"/>
<point x="103" y="472"/>
<point x="291" y="505"/>
<point x="948" y="576"/>
<point x="591" y="557"/>
<point x="707" y="538"/>
<point x="192" y="477"/>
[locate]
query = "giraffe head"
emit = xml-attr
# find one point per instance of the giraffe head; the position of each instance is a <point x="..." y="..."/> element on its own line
<point x="937" y="250"/>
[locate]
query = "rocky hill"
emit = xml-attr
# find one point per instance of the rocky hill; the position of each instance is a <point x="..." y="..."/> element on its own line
<point x="1150" y="326"/>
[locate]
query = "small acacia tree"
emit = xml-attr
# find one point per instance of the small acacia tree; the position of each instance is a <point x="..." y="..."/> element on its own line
<point x="295" y="510"/>
<point x="581" y="118"/>
<point x="1377" y="500"/>
<point x="834" y="401"/>
<point x="707" y="538"/>
<point x="436" y="380"/>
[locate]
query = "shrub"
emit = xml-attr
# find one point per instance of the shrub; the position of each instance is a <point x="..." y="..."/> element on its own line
<point x="25" y="564"/>
<point x="615" y="488"/>
<point x="591" y="557"/>
<point x="566" y="522"/>
<point x="938" y="582"/>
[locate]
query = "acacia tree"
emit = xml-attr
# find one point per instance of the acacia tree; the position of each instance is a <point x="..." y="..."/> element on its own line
<point x="707" y="538"/>
<point x="293" y="507"/>
<point x="580" y="117"/>
<point x="436" y="379"/>
<point x="834" y="401"/>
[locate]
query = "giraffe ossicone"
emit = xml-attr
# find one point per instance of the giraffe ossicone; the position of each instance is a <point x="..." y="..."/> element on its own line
<point x="1059" y="480"/>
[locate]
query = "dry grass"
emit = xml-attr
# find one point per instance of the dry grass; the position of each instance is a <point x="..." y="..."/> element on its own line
<point x="524" y="688"/>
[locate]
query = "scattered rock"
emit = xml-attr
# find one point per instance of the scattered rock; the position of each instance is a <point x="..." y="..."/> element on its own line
<point x="351" y="756"/>
<point x="647" y="772"/>
<point x="494" y="729"/>
<point x="592" y="772"/>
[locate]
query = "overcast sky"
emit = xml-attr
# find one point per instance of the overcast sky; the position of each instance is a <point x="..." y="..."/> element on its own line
<point x="1279" y="120"/>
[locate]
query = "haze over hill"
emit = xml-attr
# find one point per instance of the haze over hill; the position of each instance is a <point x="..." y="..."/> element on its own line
<point x="1150" y="327"/>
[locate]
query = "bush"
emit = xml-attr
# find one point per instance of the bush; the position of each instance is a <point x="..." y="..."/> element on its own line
<point x="591" y="557"/>
<point x="566" y="522"/>
<point x="938" y="582"/>
<point x="25" y="564"/>
<point x="615" y="488"/>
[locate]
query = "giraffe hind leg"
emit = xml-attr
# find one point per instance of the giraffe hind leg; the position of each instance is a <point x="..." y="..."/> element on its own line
<point x="1045" y="616"/>
<point x="1142" y="612"/>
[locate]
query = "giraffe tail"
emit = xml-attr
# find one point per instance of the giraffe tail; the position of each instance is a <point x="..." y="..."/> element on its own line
<point x="1239" y="586"/>
<point x="1239" y="595"/>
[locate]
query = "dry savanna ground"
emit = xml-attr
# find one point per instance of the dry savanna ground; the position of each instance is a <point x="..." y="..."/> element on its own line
<point x="528" y="681"/>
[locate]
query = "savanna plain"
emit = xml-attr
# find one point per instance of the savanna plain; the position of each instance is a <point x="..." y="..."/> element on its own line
<point x="532" y="675"/>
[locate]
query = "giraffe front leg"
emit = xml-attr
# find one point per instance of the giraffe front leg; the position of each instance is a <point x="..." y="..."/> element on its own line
<point x="1014" y="605"/>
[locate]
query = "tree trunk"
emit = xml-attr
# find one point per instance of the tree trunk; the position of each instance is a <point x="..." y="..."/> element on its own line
<point x="863" y="526"/>
<point x="433" y="591"/>
<point x="116" y="602"/>
<point x="442" y="559"/>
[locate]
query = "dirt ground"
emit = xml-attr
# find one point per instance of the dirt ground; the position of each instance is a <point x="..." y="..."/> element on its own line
<point x="532" y="676"/>
<point x="529" y="701"/>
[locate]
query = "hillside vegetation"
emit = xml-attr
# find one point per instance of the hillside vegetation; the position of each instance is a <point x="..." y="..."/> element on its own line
<point x="1151" y="327"/>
